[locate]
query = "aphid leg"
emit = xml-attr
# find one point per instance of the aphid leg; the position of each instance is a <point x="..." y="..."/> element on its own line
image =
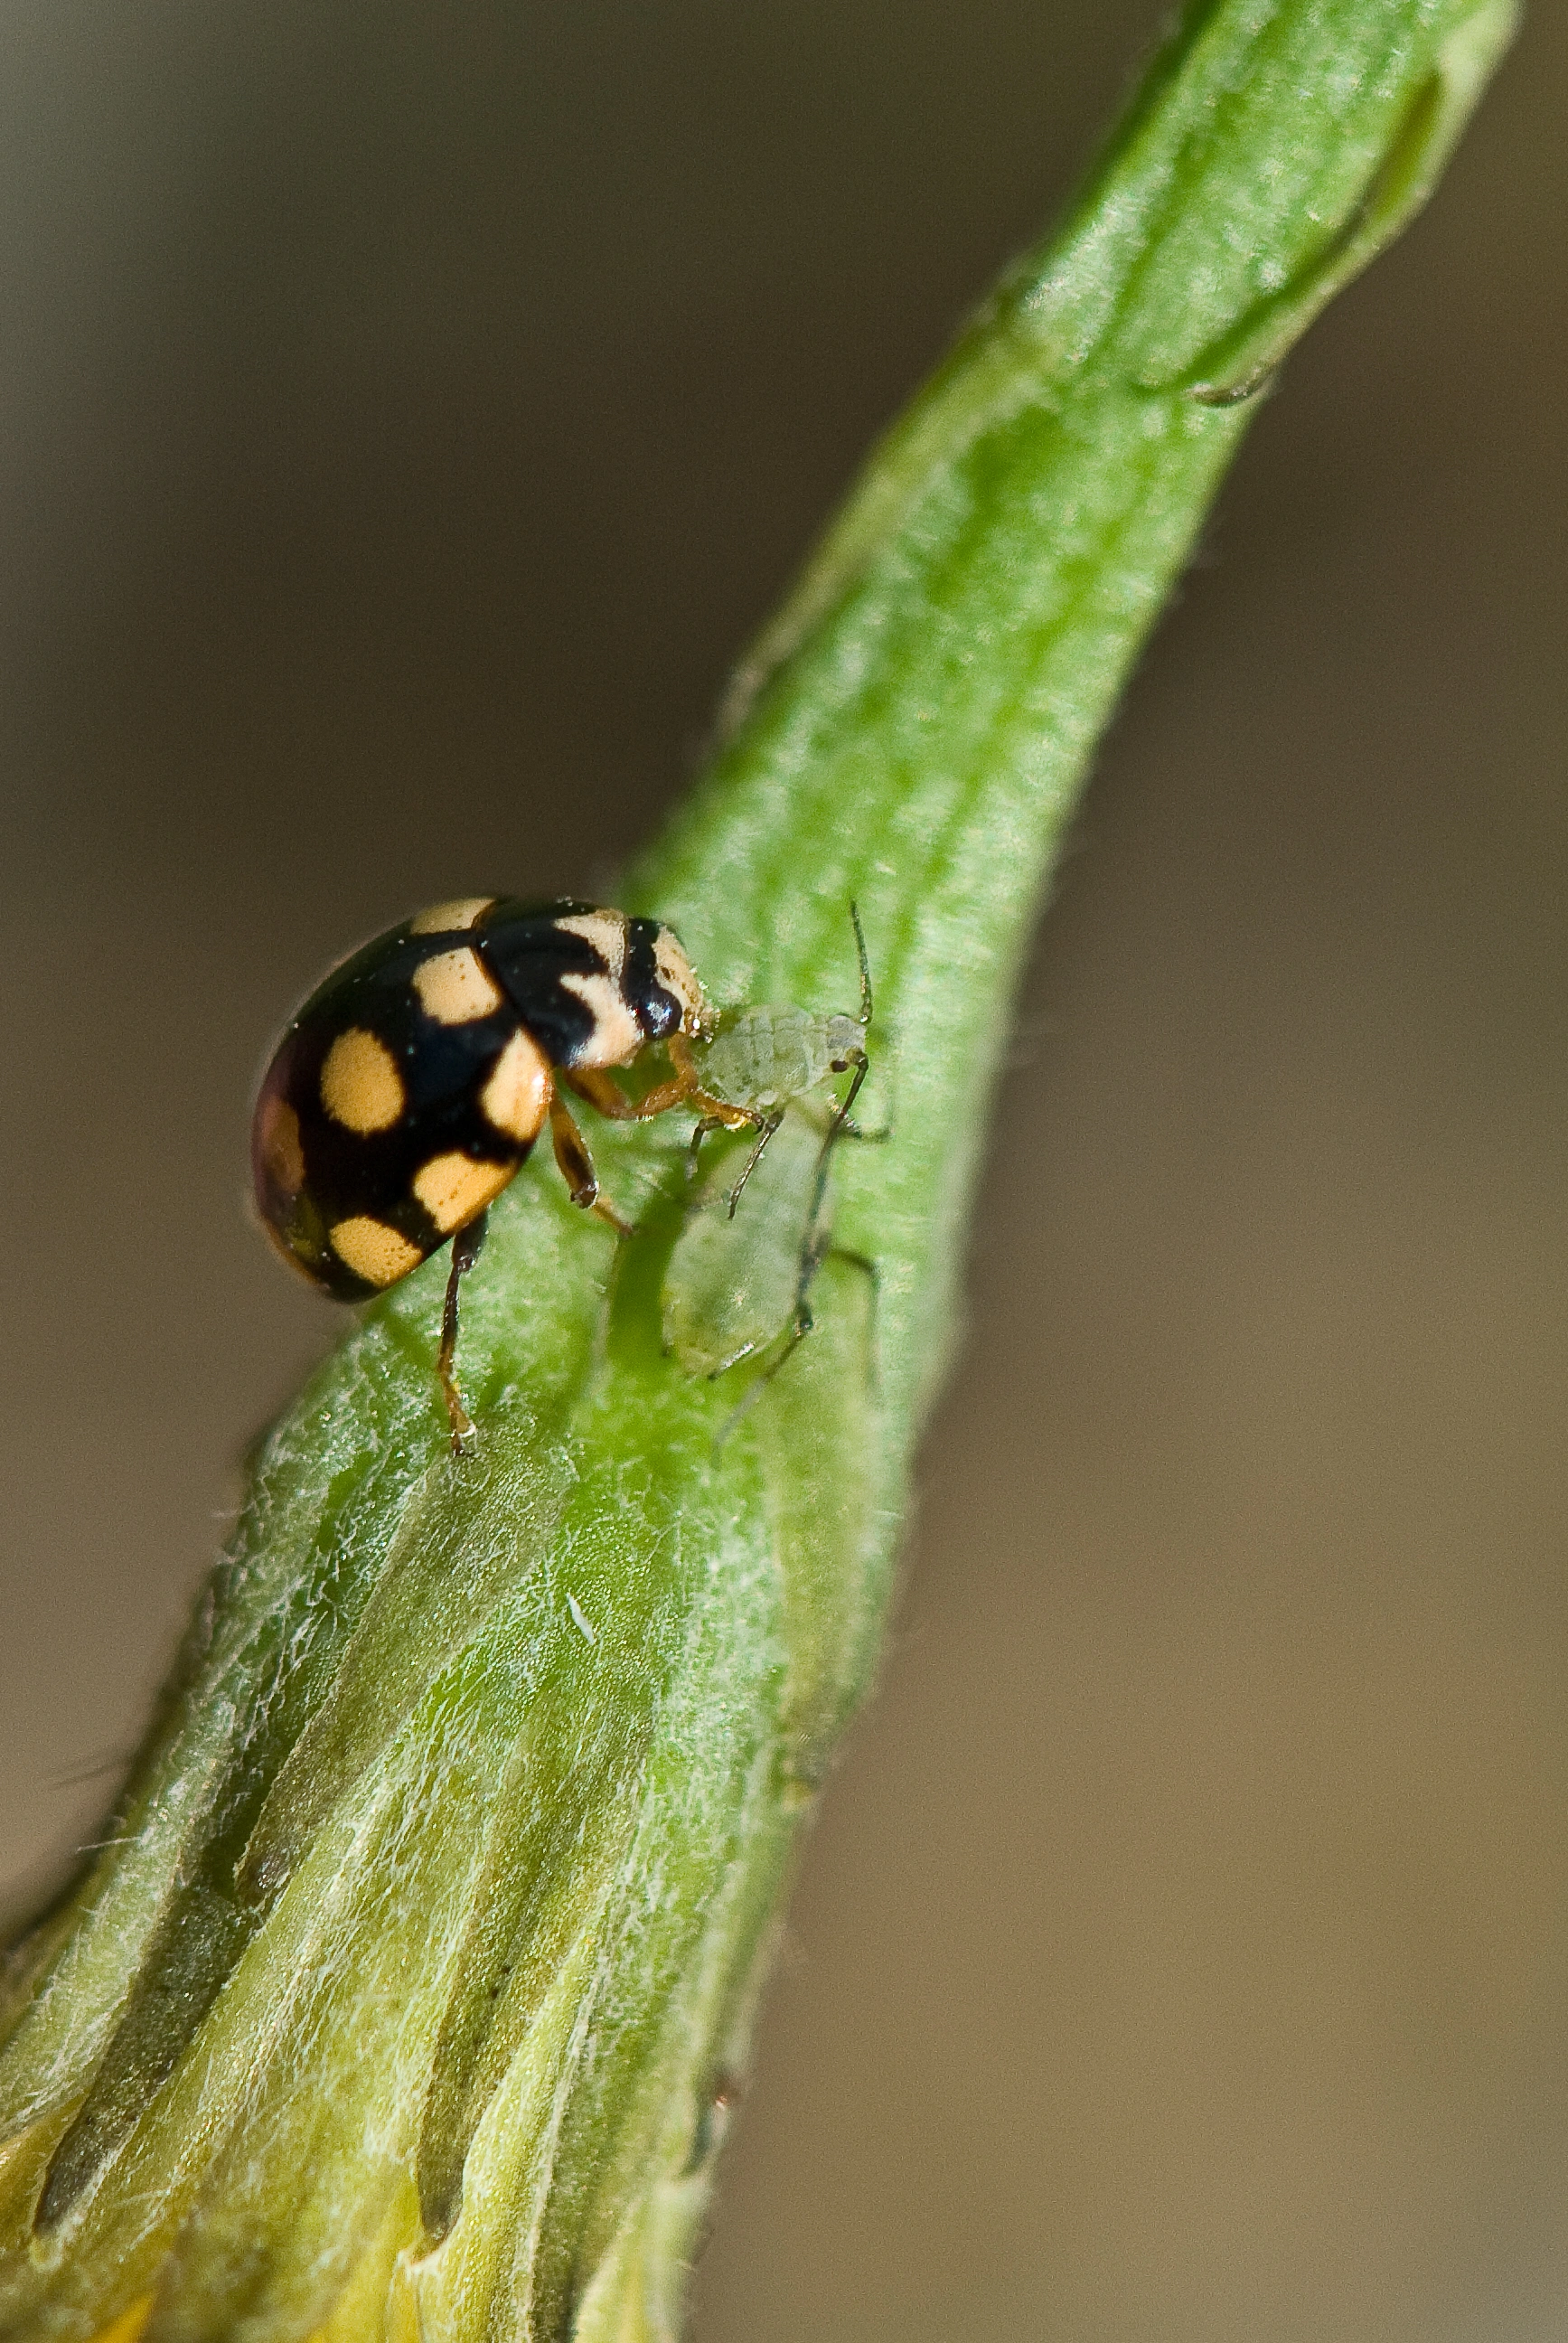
<point x="703" y="1130"/>
<point x="817" y="1248"/>
<point x="765" y="1125"/>
<point x="839" y="1127"/>
<point x="862" y="1260"/>
<point x="803" y="1324"/>
<point x="466" y="1247"/>
<point x="577" y="1167"/>
<point x="764" y="1135"/>
<point x="844" y="1126"/>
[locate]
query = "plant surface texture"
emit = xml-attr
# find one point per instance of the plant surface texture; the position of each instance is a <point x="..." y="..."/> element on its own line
<point x="410" y="1990"/>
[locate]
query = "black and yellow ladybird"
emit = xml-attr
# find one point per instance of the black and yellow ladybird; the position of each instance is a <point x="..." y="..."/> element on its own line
<point x="409" y="1089"/>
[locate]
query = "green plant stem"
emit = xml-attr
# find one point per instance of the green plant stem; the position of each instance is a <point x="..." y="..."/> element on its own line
<point x="413" y="1991"/>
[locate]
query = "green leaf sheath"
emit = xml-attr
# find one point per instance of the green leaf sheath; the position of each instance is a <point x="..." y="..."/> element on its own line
<point x="413" y="1989"/>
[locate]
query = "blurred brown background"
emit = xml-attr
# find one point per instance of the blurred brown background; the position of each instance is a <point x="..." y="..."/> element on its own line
<point x="409" y="411"/>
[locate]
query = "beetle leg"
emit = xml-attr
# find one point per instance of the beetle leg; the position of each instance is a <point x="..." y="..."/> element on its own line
<point x="577" y="1167"/>
<point x="466" y="1247"/>
<point x="686" y="1089"/>
<point x="593" y="1084"/>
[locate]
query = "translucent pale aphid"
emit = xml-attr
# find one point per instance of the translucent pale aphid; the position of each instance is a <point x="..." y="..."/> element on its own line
<point x="736" y="1283"/>
<point x="740" y="1275"/>
<point x="763" y="1058"/>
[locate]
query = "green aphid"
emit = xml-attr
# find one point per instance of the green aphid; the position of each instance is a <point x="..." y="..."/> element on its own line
<point x="739" y="1281"/>
<point x="739" y="1278"/>
<point x="760" y="1060"/>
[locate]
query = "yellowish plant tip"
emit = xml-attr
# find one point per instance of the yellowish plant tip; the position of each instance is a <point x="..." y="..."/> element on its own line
<point x="128" y="2325"/>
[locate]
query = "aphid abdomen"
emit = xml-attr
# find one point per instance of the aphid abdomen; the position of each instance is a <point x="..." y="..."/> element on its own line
<point x="734" y="1285"/>
<point x="766" y="1057"/>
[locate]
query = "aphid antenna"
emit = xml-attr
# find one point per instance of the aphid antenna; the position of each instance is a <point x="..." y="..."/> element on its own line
<point x="865" y="964"/>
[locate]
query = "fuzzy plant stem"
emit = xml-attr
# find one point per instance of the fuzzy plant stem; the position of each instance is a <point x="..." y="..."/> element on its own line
<point x="412" y="1993"/>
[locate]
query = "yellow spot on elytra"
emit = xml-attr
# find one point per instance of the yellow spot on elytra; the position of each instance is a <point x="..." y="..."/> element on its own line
<point x="517" y="1098"/>
<point x="129" y="2324"/>
<point x="455" y="987"/>
<point x="617" y="1036"/>
<point x="605" y="930"/>
<point x="281" y="1152"/>
<point x="445" y="919"/>
<point x="454" y="1189"/>
<point x="360" y="1085"/>
<point x="373" y="1250"/>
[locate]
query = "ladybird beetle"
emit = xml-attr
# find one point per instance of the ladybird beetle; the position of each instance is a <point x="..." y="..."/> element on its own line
<point x="409" y="1089"/>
